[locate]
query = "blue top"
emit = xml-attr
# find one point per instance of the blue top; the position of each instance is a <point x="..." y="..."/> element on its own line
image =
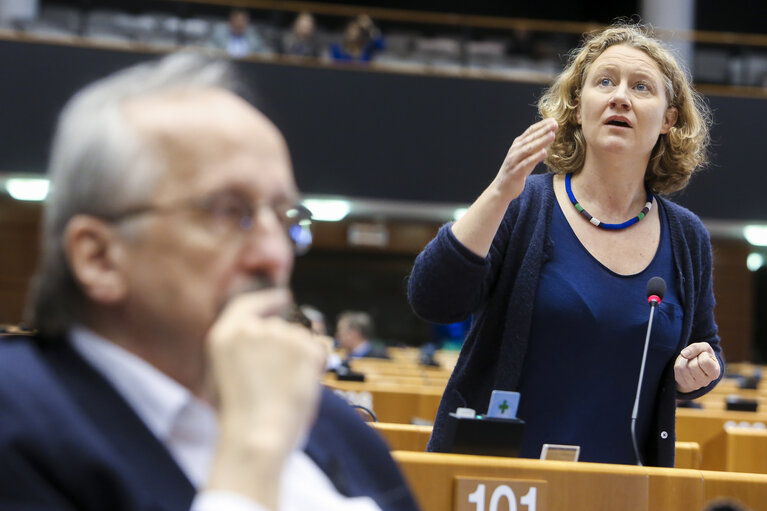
<point x="587" y="316"/>
<point x="339" y="53"/>
<point x="449" y="283"/>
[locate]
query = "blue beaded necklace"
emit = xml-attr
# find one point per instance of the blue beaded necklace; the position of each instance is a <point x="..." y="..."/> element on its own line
<point x="600" y="224"/>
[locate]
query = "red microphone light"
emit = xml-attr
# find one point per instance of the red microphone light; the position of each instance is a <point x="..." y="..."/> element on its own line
<point x="653" y="299"/>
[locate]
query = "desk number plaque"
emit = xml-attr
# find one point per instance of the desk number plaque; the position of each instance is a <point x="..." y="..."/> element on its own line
<point x="499" y="495"/>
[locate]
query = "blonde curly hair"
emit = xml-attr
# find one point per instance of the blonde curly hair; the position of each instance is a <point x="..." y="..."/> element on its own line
<point x="676" y="155"/>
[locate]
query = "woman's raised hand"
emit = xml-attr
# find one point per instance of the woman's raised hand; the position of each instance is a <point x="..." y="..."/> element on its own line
<point x="477" y="228"/>
<point x="527" y="151"/>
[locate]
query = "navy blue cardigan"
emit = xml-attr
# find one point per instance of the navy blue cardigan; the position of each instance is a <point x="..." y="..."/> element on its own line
<point x="449" y="283"/>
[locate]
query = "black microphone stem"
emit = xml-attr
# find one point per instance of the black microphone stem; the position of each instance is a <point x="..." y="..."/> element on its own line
<point x="635" y="412"/>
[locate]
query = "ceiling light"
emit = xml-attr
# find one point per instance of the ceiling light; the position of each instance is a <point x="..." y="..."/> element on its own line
<point x="31" y="189"/>
<point x="754" y="261"/>
<point x="756" y="235"/>
<point x="327" y="210"/>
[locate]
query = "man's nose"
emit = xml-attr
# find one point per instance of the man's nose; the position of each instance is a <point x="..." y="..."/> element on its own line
<point x="267" y="247"/>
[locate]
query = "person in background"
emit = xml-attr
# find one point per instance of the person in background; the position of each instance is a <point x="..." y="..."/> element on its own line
<point x="354" y="331"/>
<point x="360" y="42"/>
<point x="554" y="267"/>
<point x="316" y="319"/>
<point x="164" y="374"/>
<point x="301" y="40"/>
<point x="238" y="37"/>
<point x="724" y="505"/>
<point x="316" y="323"/>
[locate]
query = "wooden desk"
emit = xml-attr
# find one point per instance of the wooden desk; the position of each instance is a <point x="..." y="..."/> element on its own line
<point x="745" y="450"/>
<point x="580" y="486"/>
<point x="707" y="428"/>
<point x="408" y="437"/>
<point x="398" y="367"/>
<point x="404" y="437"/>
<point x="687" y="455"/>
<point x="392" y="403"/>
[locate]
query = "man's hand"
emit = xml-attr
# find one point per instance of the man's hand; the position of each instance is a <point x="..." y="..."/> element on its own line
<point x="696" y="367"/>
<point x="266" y="373"/>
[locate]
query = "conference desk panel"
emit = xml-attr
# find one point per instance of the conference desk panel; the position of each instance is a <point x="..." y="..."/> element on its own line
<point x="748" y="489"/>
<point x="568" y="486"/>
<point x="721" y="450"/>
<point x="392" y="403"/>
<point x="745" y="450"/>
<point x="404" y="437"/>
<point x="718" y="449"/>
<point x="409" y="437"/>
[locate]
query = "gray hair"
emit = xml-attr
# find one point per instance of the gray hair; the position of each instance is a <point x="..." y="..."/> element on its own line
<point x="359" y="321"/>
<point x="100" y="166"/>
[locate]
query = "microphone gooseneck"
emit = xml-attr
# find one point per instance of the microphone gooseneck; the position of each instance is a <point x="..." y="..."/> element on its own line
<point x="656" y="289"/>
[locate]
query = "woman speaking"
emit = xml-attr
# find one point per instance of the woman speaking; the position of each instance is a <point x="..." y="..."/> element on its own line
<point x="554" y="267"/>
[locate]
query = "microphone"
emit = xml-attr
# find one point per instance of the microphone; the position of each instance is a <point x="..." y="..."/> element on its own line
<point x="656" y="289"/>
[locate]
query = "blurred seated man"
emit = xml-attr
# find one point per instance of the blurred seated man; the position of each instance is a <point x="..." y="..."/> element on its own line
<point x="238" y="37"/>
<point x="354" y="332"/>
<point x="163" y="375"/>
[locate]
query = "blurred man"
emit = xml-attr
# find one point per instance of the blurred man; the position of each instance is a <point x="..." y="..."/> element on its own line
<point x="163" y="376"/>
<point x="238" y="37"/>
<point x="354" y="332"/>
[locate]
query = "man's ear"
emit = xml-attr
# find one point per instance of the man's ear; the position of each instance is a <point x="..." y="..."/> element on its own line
<point x="669" y="119"/>
<point x="94" y="253"/>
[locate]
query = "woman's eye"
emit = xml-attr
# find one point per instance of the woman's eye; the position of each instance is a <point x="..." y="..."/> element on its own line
<point x="605" y="82"/>
<point x="642" y="87"/>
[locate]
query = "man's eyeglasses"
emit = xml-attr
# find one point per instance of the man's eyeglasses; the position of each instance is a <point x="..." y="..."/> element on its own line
<point x="231" y="213"/>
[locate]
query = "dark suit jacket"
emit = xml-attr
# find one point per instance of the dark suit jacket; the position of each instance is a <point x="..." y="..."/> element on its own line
<point x="68" y="441"/>
<point x="372" y="351"/>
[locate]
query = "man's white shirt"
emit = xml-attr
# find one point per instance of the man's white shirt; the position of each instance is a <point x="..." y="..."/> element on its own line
<point x="188" y="428"/>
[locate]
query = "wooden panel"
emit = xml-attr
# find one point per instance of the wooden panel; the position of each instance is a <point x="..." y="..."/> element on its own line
<point x="706" y="427"/>
<point x="750" y="490"/>
<point x="408" y="437"/>
<point x="746" y="450"/>
<point x="583" y="486"/>
<point x="571" y="486"/>
<point x="687" y="455"/>
<point x="404" y="437"/>
<point x="675" y="490"/>
<point x="19" y="226"/>
<point x="392" y="403"/>
<point x="733" y="289"/>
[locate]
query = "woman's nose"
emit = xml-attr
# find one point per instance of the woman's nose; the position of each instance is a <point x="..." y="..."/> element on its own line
<point x="620" y="98"/>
